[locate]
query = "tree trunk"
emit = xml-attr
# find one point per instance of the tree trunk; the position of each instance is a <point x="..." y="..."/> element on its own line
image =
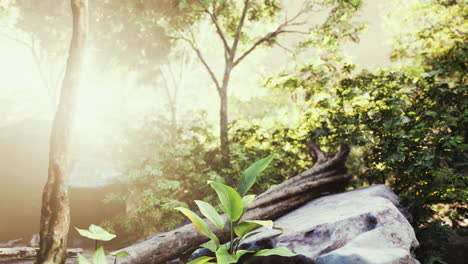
<point x="224" y="130"/>
<point x="55" y="218"/>
<point x="223" y="114"/>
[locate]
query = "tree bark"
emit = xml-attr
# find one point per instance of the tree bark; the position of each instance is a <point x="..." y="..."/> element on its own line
<point x="55" y="218"/>
<point x="223" y="121"/>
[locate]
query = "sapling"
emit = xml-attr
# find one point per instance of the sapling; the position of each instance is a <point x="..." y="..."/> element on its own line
<point x="234" y="203"/>
<point x="97" y="233"/>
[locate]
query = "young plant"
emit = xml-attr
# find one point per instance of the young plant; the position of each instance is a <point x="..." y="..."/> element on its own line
<point x="234" y="203"/>
<point x="96" y="233"/>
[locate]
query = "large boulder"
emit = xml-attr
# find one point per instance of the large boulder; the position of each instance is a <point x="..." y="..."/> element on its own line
<point x="359" y="226"/>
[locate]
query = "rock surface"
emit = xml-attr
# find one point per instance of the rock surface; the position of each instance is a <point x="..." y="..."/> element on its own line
<point x="359" y="226"/>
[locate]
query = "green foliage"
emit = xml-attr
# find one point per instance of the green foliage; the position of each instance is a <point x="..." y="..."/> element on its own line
<point x="250" y="175"/>
<point x="407" y="126"/>
<point x="99" y="257"/>
<point x="210" y="212"/>
<point x="230" y="200"/>
<point x="422" y="30"/>
<point x="434" y="238"/>
<point x="234" y="207"/>
<point x="228" y="12"/>
<point x="95" y="232"/>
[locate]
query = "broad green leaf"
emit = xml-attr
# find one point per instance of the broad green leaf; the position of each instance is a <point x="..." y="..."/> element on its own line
<point x="210" y="245"/>
<point x="81" y="260"/>
<point x="250" y="174"/>
<point x="96" y="233"/>
<point x="246" y="226"/>
<point x="209" y="212"/>
<point x="223" y="256"/>
<point x="247" y="200"/>
<point x="280" y="251"/>
<point x="201" y="260"/>
<point x="199" y="223"/>
<point x="99" y="256"/>
<point x="122" y="254"/>
<point x="230" y="199"/>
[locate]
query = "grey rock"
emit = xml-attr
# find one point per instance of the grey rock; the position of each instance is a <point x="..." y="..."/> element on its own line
<point x="359" y="226"/>
<point x="200" y="253"/>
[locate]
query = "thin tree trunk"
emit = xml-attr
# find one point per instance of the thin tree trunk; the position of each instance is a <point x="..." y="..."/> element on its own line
<point x="223" y="114"/>
<point x="224" y="130"/>
<point x="55" y="213"/>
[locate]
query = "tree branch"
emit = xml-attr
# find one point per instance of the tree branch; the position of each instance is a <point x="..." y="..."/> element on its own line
<point x="214" y="18"/>
<point x="279" y="30"/>
<point x="239" y="29"/>
<point x="203" y="61"/>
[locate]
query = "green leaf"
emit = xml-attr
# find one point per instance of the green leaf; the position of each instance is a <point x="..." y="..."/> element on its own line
<point x="230" y="199"/>
<point x="278" y="228"/>
<point x="247" y="200"/>
<point x="99" y="256"/>
<point x="250" y="174"/>
<point x="81" y="260"/>
<point x="210" y="245"/>
<point x="122" y="253"/>
<point x="223" y="256"/>
<point x="280" y="251"/>
<point x="209" y="212"/>
<point x="201" y="260"/>
<point x="96" y="233"/>
<point x="246" y="226"/>
<point x="199" y="223"/>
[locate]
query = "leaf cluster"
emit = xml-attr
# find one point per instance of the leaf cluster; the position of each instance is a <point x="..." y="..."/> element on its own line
<point x="96" y="233"/>
<point x="234" y="203"/>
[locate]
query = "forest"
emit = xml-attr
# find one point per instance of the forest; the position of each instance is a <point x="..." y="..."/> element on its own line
<point x="131" y="116"/>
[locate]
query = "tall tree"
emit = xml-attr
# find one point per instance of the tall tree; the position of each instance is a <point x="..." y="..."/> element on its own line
<point x="55" y="213"/>
<point x="229" y="19"/>
<point x="235" y="22"/>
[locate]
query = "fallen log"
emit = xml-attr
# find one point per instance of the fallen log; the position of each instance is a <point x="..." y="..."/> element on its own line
<point x="29" y="252"/>
<point x="328" y="175"/>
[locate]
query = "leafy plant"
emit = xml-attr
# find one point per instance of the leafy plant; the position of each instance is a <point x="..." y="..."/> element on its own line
<point x="234" y="203"/>
<point x="96" y="233"/>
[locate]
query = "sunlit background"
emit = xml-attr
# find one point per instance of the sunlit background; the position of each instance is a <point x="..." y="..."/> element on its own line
<point x="128" y="84"/>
